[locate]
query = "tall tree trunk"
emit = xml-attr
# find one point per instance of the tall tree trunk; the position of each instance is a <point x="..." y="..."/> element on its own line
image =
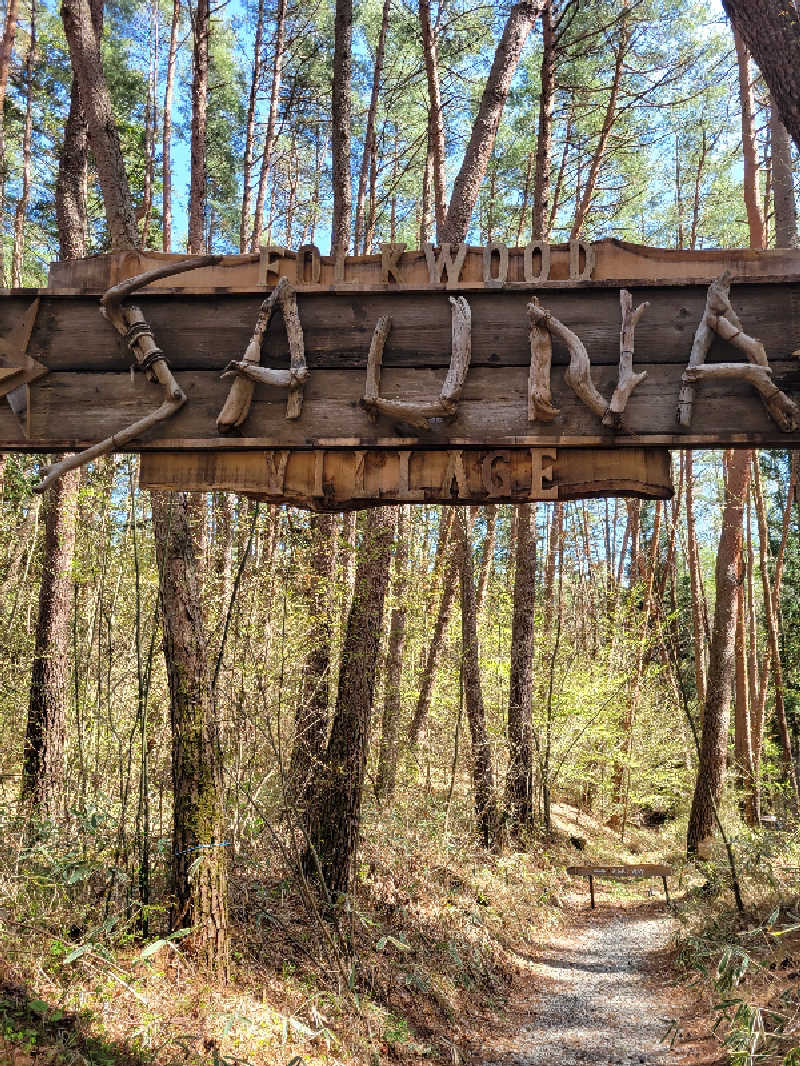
<point x="22" y="203"/>
<point x="771" y="615"/>
<point x="334" y="807"/>
<point x="386" y="778"/>
<point x="370" y="146"/>
<point x="609" y="119"/>
<point x="198" y="845"/>
<point x="435" y="118"/>
<point x="772" y="35"/>
<point x="87" y="67"/>
<point x="695" y="578"/>
<point x="166" y="132"/>
<point x="196" y="769"/>
<point x="716" y="719"/>
<point x="449" y="589"/>
<point x="197" y="177"/>
<point x="45" y="733"/>
<point x="272" y="122"/>
<point x="313" y="716"/>
<point x="6" y="50"/>
<point x="487" y="555"/>
<point x="250" y="132"/>
<point x="540" y="224"/>
<point x="752" y="198"/>
<point x="486" y="814"/>
<point x="519" y="781"/>
<point x="782" y="182"/>
<point x="467" y="185"/>
<point x="340" y="126"/>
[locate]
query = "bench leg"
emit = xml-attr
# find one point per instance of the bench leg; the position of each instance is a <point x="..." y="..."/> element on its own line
<point x="666" y="890"/>
<point x="591" y="889"/>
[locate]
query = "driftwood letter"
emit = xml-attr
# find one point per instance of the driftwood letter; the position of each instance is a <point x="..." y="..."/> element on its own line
<point x="720" y="318"/>
<point x="411" y="412"/>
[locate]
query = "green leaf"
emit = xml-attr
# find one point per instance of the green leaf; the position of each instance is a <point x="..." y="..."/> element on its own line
<point x="401" y="945"/>
<point x="84" y="949"/>
<point x="151" y="949"/>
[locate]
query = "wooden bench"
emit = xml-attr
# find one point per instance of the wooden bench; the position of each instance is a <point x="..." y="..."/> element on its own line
<point x="645" y="869"/>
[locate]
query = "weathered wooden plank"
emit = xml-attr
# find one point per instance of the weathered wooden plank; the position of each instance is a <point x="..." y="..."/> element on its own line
<point x="76" y="409"/>
<point x="615" y="261"/>
<point x="329" y="479"/>
<point x="198" y="332"/>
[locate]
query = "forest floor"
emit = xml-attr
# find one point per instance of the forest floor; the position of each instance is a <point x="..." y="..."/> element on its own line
<point x="444" y="954"/>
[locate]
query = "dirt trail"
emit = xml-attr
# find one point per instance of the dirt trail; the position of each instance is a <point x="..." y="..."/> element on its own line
<point x="603" y="992"/>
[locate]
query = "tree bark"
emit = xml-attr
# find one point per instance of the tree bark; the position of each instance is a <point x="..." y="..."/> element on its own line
<point x="782" y="182"/>
<point x="196" y="770"/>
<point x="87" y="68"/>
<point x="449" y="589"/>
<point x="370" y="146"/>
<point x="752" y="198"/>
<point x="487" y="555"/>
<point x="22" y="203"/>
<point x="272" y="121"/>
<point x="771" y="615"/>
<point x="334" y="808"/>
<point x="6" y="50"/>
<point x="199" y="881"/>
<point x="772" y="34"/>
<point x="197" y="178"/>
<point x="313" y="716"/>
<point x="340" y="126"/>
<point x="386" y="779"/>
<point x="721" y="666"/>
<point x="486" y="814"/>
<point x="45" y="733"/>
<point x="166" y="132"/>
<point x="435" y="118"/>
<point x="519" y="781"/>
<point x="540" y="226"/>
<point x="467" y="185"/>
<point x="250" y="132"/>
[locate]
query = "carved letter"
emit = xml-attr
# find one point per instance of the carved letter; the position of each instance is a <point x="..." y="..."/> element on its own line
<point x="496" y="474"/>
<point x="502" y="273"/>
<point x="390" y="254"/>
<point x="575" y="272"/>
<point x="404" y="491"/>
<point x="437" y="264"/>
<point x="276" y="472"/>
<point x="304" y="253"/>
<point x="543" y="248"/>
<point x="266" y="264"/>
<point x="541" y="473"/>
<point x="455" y="472"/>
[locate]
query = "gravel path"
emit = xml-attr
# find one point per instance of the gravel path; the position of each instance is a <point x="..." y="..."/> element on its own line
<point x="597" y="997"/>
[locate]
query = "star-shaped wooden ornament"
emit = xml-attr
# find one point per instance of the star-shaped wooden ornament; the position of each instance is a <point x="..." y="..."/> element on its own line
<point x="19" y="370"/>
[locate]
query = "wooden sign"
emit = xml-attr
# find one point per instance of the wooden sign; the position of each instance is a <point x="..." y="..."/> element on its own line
<point x="334" y="480"/>
<point x="437" y="352"/>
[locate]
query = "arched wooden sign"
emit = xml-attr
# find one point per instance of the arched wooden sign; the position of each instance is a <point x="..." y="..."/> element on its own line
<point x="456" y="373"/>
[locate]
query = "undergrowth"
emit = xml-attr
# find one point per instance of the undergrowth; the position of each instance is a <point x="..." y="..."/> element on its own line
<point x="748" y="966"/>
